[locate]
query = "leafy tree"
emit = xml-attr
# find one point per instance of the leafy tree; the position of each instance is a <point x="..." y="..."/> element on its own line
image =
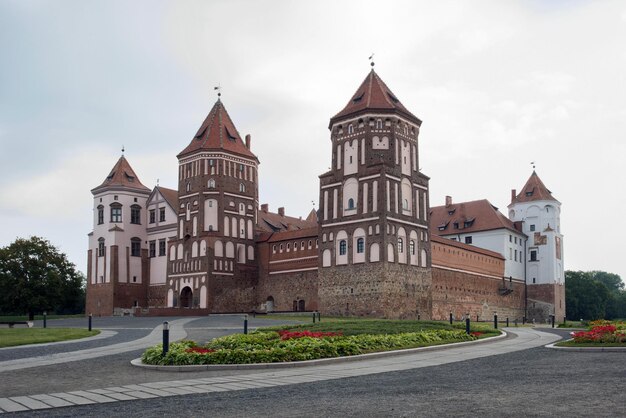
<point x="594" y="295"/>
<point x="35" y="277"/>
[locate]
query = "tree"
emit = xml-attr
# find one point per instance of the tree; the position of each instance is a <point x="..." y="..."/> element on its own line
<point x="594" y="295"/>
<point x="35" y="277"/>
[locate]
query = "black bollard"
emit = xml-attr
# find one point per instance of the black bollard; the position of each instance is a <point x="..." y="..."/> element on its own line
<point x="495" y="320"/>
<point x="319" y="316"/>
<point x="45" y="317"/>
<point x="467" y="324"/>
<point x="245" y="324"/>
<point x="476" y="318"/>
<point x="314" y="315"/>
<point x="553" y="321"/>
<point x="450" y="318"/>
<point x="507" y="321"/>
<point x="166" y="337"/>
<point x="89" y="322"/>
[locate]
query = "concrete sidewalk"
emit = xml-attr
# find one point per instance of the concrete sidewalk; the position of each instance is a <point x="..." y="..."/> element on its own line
<point x="525" y="338"/>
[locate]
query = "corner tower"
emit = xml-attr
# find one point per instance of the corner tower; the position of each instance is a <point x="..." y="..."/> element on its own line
<point x="211" y="262"/>
<point x="118" y="263"/>
<point x="374" y="244"/>
<point x="540" y="216"/>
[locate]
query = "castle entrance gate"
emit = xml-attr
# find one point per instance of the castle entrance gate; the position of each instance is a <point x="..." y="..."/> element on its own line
<point x="186" y="296"/>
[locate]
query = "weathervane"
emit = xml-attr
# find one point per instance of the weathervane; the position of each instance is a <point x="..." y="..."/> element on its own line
<point x="219" y="90"/>
<point x="533" y="164"/>
<point x="371" y="58"/>
<point x="122" y="149"/>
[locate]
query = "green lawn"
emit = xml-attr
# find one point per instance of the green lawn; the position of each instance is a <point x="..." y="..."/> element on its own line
<point x="10" y="337"/>
<point x="7" y="318"/>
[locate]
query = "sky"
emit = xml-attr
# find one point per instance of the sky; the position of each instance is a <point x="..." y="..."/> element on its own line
<point x="497" y="84"/>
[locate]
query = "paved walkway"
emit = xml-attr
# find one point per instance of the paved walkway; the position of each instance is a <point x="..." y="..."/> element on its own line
<point x="177" y="332"/>
<point x="525" y="338"/>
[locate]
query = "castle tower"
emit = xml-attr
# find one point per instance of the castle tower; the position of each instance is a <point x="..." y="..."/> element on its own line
<point x="374" y="245"/>
<point x="117" y="264"/>
<point x="211" y="263"/>
<point x="539" y="213"/>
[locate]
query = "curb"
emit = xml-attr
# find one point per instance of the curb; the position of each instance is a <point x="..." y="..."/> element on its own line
<point x="317" y="362"/>
<point x="588" y="349"/>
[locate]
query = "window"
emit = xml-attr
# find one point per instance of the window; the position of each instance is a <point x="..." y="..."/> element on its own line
<point x="161" y="247"/>
<point x="152" y="248"/>
<point x="188" y="187"/>
<point x="152" y="216"/>
<point x="515" y="255"/>
<point x="379" y="124"/>
<point x="211" y="184"/>
<point x="351" y="203"/>
<point x="350" y="129"/>
<point x="412" y="247"/>
<point x="135" y="247"/>
<point x="343" y="247"/>
<point x="533" y="255"/>
<point x="242" y="187"/>
<point x="116" y="213"/>
<point x="360" y="245"/>
<point x="468" y="240"/>
<point x="400" y="245"/>
<point x="100" y="215"/>
<point x="135" y="214"/>
<point x="405" y="204"/>
<point x="162" y="215"/>
<point x="510" y="238"/>
<point x="532" y="227"/>
<point x="101" y="249"/>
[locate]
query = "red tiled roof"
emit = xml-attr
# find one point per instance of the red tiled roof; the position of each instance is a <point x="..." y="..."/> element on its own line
<point x="170" y="195"/>
<point x="273" y="222"/>
<point x="468" y="247"/>
<point x="294" y="234"/>
<point x="533" y="190"/>
<point x="123" y="175"/>
<point x="466" y="217"/>
<point x="374" y="95"/>
<point x="218" y="132"/>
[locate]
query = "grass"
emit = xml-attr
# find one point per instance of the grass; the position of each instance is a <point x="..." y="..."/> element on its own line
<point x="7" y="318"/>
<point x="11" y="337"/>
<point x="357" y="326"/>
<point x="571" y="343"/>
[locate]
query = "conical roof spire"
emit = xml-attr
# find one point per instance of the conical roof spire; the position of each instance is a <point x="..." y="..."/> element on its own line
<point x="533" y="190"/>
<point x="374" y="95"/>
<point x="218" y="132"/>
<point x="121" y="175"/>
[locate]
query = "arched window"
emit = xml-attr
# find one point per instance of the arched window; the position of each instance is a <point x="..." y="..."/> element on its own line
<point x="343" y="247"/>
<point x="242" y="187"/>
<point x="101" y="248"/>
<point x="100" y="215"/>
<point x="360" y="245"/>
<point x="379" y="124"/>
<point x="405" y="204"/>
<point x="350" y="129"/>
<point x="412" y="247"/>
<point x="188" y="187"/>
<point x="400" y="245"/>
<point x="351" y="203"/>
<point x="211" y="184"/>
<point x="135" y="214"/>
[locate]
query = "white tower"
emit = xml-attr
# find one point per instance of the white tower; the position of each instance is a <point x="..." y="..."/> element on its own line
<point x="539" y="214"/>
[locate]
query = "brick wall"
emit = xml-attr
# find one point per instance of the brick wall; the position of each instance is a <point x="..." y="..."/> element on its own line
<point x="545" y="300"/>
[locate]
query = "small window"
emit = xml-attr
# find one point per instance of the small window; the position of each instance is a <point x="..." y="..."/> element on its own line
<point x="350" y="130"/>
<point x="351" y="203"/>
<point x="152" y="248"/>
<point x="211" y="184"/>
<point x="135" y="247"/>
<point x="162" y="215"/>
<point x="135" y="214"/>
<point x="532" y="227"/>
<point x="405" y="204"/>
<point x="116" y="214"/>
<point x="101" y="248"/>
<point x="533" y="255"/>
<point x="211" y="163"/>
<point x="510" y="238"/>
<point x="360" y="245"/>
<point x="468" y="240"/>
<point x="412" y="247"/>
<point x="242" y="187"/>
<point x="343" y="247"/>
<point x="100" y="215"/>
<point x="152" y="216"/>
<point x="161" y="247"/>
<point x="379" y="124"/>
<point x="400" y="245"/>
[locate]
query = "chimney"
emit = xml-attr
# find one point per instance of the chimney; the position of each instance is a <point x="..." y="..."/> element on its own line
<point x="265" y="207"/>
<point x="513" y="194"/>
<point x="281" y="211"/>
<point x="248" y="141"/>
<point x="448" y="200"/>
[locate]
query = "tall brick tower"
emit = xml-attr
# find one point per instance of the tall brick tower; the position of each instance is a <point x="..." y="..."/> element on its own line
<point x="117" y="263"/>
<point x="212" y="262"/>
<point x="374" y="244"/>
<point x="540" y="216"/>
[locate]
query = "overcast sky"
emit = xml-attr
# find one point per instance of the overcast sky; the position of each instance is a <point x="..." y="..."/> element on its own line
<point x="497" y="84"/>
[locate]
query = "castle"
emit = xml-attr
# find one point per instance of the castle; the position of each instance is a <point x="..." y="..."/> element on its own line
<point x="374" y="248"/>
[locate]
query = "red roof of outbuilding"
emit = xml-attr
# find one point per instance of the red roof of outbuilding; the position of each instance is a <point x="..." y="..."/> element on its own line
<point x="122" y="175"/>
<point x="374" y="95"/>
<point x="218" y="132"/>
<point x="533" y="190"/>
<point x="466" y="217"/>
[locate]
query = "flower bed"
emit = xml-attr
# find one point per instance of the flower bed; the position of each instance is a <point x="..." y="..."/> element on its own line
<point x="284" y="346"/>
<point x="601" y="332"/>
